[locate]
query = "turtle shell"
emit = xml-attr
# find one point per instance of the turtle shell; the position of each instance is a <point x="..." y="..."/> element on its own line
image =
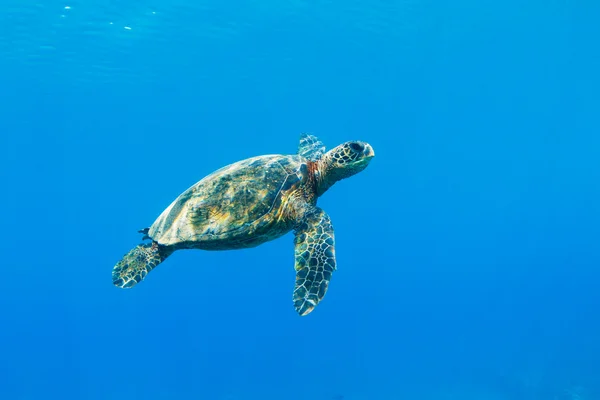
<point x="237" y="206"/>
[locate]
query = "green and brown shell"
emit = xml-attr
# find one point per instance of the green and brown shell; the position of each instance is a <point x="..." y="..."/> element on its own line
<point x="241" y="205"/>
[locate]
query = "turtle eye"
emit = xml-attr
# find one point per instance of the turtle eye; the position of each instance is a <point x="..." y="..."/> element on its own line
<point x="357" y="147"/>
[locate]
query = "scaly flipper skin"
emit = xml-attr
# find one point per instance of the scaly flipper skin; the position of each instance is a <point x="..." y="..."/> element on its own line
<point x="310" y="147"/>
<point x="136" y="264"/>
<point x="315" y="259"/>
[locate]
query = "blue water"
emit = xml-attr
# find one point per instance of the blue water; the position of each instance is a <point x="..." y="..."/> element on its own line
<point x="468" y="262"/>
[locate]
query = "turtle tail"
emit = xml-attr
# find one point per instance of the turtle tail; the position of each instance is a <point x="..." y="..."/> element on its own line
<point x="136" y="264"/>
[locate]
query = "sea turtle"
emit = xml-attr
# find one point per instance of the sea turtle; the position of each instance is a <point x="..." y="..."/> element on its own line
<point x="251" y="202"/>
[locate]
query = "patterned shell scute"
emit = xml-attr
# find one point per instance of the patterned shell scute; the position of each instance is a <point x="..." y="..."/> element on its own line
<point x="235" y="201"/>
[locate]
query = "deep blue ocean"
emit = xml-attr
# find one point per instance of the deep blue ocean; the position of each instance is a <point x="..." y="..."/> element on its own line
<point x="467" y="252"/>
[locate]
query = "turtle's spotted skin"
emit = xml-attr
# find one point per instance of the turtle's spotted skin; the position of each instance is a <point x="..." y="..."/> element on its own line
<point x="134" y="267"/>
<point x="315" y="260"/>
<point x="251" y="202"/>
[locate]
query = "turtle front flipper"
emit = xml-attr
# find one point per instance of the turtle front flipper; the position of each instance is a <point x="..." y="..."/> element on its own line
<point x="315" y="259"/>
<point x="136" y="264"/>
<point x="310" y="147"/>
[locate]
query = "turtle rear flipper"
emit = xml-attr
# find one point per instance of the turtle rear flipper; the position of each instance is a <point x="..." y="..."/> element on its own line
<point x="136" y="264"/>
<point x="315" y="260"/>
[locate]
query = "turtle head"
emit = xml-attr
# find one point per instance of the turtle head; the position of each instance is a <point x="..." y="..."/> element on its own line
<point x="343" y="161"/>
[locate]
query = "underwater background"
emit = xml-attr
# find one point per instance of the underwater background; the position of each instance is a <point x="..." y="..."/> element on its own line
<point x="468" y="262"/>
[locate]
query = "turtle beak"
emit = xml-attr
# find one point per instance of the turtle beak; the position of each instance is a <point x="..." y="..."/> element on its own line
<point x="368" y="151"/>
